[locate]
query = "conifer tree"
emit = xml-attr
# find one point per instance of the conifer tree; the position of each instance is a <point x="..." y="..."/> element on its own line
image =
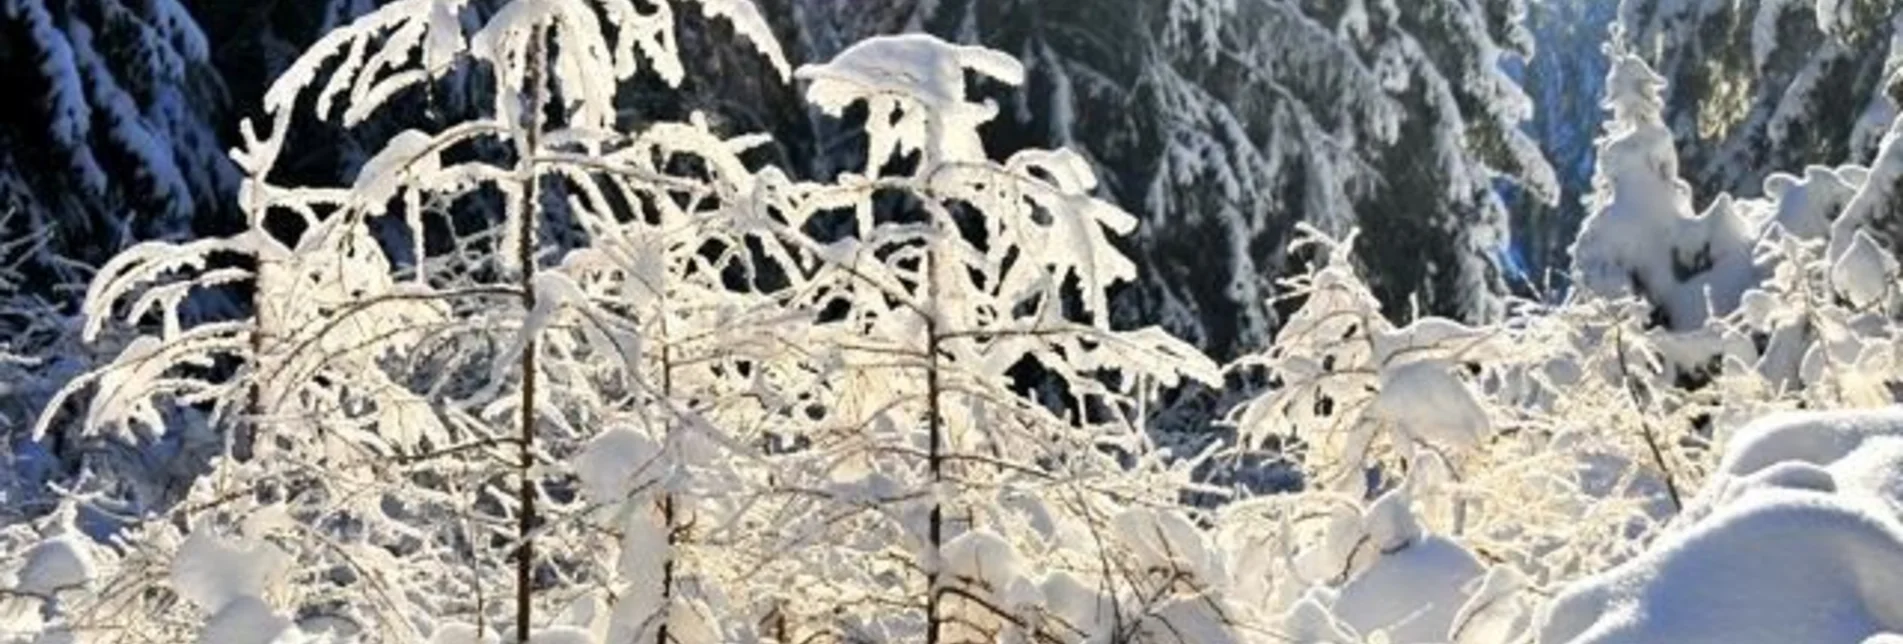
<point x="113" y="138"/>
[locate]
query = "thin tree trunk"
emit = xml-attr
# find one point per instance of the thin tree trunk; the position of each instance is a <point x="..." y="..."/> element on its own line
<point x="1645" y="428"/>
<point x="935" y="420"/>
<point x="667" y="497"/>
<point x="525" y="254"/>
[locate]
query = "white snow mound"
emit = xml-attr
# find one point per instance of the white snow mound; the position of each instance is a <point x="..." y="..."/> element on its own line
<point x="1797" y="538"/>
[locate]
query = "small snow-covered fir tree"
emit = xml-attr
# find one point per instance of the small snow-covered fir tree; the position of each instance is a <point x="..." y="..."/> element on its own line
<point x="1453" y="456"/>
<point x="1643" y="238"/>
<point x="959" y="271"/>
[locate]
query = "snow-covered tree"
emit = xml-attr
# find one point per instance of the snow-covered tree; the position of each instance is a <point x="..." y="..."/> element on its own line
<point x="960" y="270"/>
<point x="1643" y="238"/>
<point x="1478" y="462"/>
<point x="113" y="138"/>
<point x="410" y="386"/>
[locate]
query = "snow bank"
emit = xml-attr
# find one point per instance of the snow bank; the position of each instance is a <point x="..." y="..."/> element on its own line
<point x="60" y="563"/>
<point x="1798" y="538"/>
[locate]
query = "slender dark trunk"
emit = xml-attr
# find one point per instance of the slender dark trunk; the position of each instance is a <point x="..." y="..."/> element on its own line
<point x="247" y="434"/>
<point x="1645" y="427"/>
<point x="667" y="497"/>
<point x="525" y="255"/>
<point x="935" y="420"/>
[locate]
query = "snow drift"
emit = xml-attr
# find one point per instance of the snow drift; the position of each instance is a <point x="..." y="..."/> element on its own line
<point x="1798" y="537"/>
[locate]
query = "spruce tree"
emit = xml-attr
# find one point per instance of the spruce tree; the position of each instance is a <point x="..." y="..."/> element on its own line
<point x="110" y="137"/>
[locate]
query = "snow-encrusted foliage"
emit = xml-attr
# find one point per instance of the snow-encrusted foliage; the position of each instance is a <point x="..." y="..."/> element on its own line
<point x="960" y="272"/>
<point x="1612" y="404"/>
<point x="571" y="372"/>
<point x="1514" y="457"/>
<point x="663" y="390"/>
<point x="385" y="389"/>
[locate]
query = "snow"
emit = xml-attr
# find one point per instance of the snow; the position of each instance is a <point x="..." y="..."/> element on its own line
<point x="1412" y="593"/>
<point x="58" y="564"/>
<point x="1428" y="403"/>
<point x="1403" y="583"/>
<point x="617" y="464"/>
<point x="1069" y="598"/>
<point x="463" y="633"/>
<point x="247" y="620"/>
<point x="561" y="635"/>
<point x="1865" y="273"/>
<point x="1186" y="620"/>
<point x="1165" y="540"/>
<point x="408" y="155"/>
<point x="1806" y="206"/>
<point x="214" y="573"/>
<point x="228" y="579"/>
<point x="984" y="557"/>
<point x="121" y="404"/>
<point x="1798" y="538"/>
<point x="984" y="564"/>
<point x="930" y="74"/>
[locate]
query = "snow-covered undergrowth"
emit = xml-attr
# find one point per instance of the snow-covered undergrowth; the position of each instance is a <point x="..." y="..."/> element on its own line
<point x="548" y="377"/>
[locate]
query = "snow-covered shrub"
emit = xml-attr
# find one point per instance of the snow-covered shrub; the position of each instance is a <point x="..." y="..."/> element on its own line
<point x="1480" y="462"/>
<point x="381" y="417"/>
<point x="1587" y="424"/>
<point x="925" y="474"/>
